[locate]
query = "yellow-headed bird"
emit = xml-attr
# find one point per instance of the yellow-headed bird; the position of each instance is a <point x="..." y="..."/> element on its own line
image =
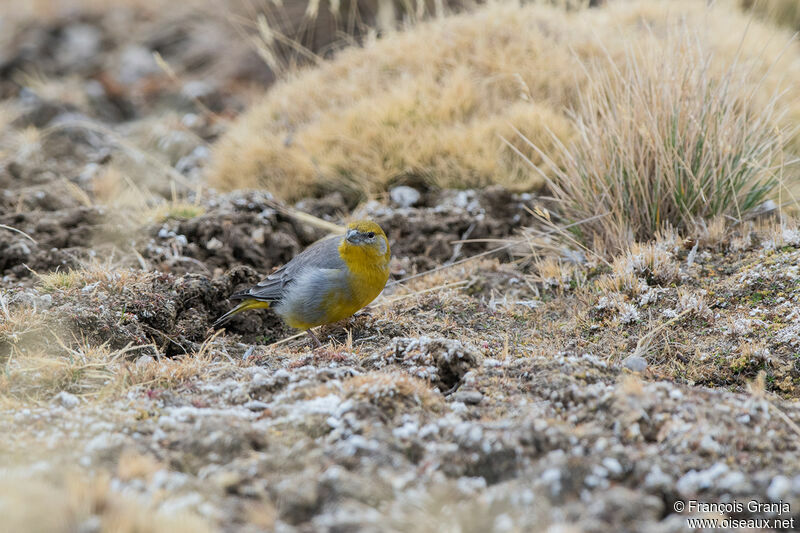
<point x="327" y="282"/>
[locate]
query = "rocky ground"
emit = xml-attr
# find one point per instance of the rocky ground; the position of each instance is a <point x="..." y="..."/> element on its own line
<point x="507" y="393"/>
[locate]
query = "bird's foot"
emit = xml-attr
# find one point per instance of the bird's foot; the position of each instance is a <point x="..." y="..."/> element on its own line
<point x="314" y="338"/>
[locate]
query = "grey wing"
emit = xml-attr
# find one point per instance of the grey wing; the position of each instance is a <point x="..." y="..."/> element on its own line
<point x="321" y="254"/>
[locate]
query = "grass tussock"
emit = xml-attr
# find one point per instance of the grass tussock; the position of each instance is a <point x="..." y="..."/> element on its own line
<point x="54" y="9"/>
<point x="166" y="373"/>
<point x="427" y="105"/>
<point x="665" y="141"/>
<point x="432" y="104"/>
<point x="20" y="327"/>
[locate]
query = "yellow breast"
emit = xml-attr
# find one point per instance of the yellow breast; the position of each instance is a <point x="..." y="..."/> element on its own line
<point x="366" y="276"/>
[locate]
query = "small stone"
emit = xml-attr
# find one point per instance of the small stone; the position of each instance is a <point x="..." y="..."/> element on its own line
<point x="612" y="466"/>
<point x="657" y="479"/>
<point x="404" y="196"/>
<point x="694" y="481"/>
<point x="469" y="397"/>
<point x="45" y="301"/>
<point x="255" y="405"/>
<point x="136" y="62"/>
<point x="709" y="445"/>
<point x="144" y="361"/>
<point x="732" y="481"/>
<point x="91" y="525"/>
<point x="635" y="363"/>
<point x="197" y="89"/>
<point x="18" y="251"/>
<point x="80" y="43"/>
<point x="214" y="244"/>
<point x="66" y="399"/>
<point x="258" y="235"/>
<point x="779" y="488"/>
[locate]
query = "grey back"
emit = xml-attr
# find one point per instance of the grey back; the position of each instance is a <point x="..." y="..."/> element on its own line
<point x="323" y="254"/>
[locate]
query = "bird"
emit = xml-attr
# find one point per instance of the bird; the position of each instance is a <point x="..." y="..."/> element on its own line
<point x="325" y="283"/>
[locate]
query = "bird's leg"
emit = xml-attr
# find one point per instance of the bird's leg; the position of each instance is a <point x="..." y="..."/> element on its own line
<point x="314" y="338"/>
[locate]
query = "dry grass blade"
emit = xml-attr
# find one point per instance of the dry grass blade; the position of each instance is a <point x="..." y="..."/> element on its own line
<point x="309" y="219"/>
<point x="450" y="285"/>
<point x="510" y="243"/>
<point x="15" y="230"/>
<point x="287" y="339"/>
<point x="646" y="340"/>
<point x="789" y="422"/>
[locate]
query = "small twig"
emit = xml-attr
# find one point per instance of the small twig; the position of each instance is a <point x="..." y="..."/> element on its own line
<point x="287" y="339"/>
<point x="459" y="262"/>
<point x="425" y="291"/>
<point x="9" y="228"/>
<point x="141" y="259"/>
<point x="364" y="339"/>
<point x="308" y="218"/>
<point x="460" y="244"/>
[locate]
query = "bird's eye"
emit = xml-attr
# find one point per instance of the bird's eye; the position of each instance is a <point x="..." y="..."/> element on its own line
<point x="371" y="234"/>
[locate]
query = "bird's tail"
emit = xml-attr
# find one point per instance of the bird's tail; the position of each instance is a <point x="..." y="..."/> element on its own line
<point x="244" y="306"/>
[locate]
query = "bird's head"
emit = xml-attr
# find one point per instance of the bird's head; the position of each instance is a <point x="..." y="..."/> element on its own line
<point x="368" y="237"/>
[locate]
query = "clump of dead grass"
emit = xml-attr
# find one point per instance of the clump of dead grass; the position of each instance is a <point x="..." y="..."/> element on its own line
<point x="640" y="266"/>
<point x="653" y="262"/>
<point x="38" y="363"/>
<point x="558" y="274"/>
<point x="23" y="329"/>
<point x="665" y="140"/>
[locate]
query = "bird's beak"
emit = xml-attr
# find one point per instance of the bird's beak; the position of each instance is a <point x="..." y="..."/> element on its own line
<point x="352" y="236"/>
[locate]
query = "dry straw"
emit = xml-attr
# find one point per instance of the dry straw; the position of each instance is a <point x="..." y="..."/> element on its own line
<point x="666" y="139"/>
